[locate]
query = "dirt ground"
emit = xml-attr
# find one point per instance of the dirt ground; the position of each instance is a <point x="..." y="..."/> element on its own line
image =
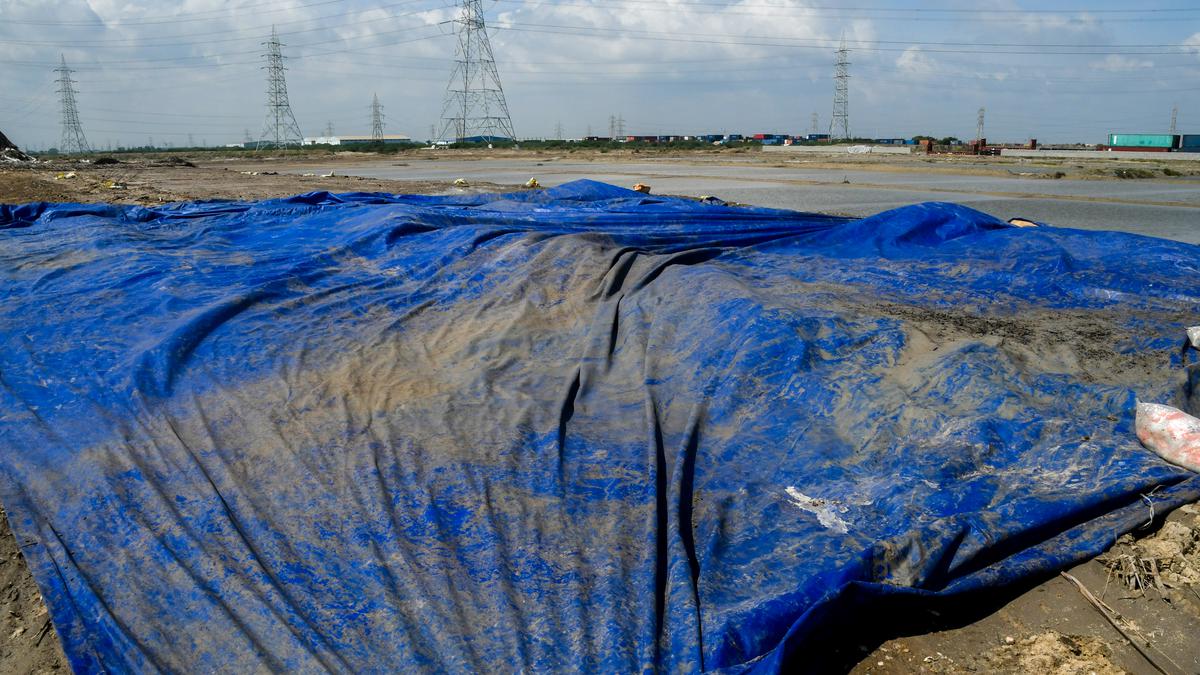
<point x="1148" y="585"/>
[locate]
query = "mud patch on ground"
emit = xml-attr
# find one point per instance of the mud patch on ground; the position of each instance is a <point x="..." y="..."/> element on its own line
<point x="1164" y="565"/>
<point x="1051" y="653"/>
<point x="28" y="643"/>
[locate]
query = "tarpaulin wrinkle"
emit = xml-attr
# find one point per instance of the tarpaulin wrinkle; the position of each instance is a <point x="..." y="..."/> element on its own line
<point x="574" y="429"/>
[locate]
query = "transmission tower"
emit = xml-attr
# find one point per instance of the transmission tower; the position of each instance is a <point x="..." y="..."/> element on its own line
<point x="616" y="126"/>
<point x="280" y="129"/>
<point x="475" y="104"/>
<point x="73" y="140"/>
<point x="1174" y="118"/>
<point x="815" y="122"/>
<point x="558" y="131"/>
<point x="839" y="124"/>
<point x="376" y="120"/>
<point x="979" y="125"/>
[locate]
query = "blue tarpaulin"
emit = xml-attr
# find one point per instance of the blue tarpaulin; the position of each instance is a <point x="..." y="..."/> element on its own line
<point x="573" y="429"/>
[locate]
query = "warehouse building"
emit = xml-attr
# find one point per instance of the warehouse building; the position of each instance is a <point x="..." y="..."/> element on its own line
<point x="388" y="139"/>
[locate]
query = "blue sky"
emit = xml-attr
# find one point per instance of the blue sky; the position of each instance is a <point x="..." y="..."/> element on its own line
<point x="164" y="69"/>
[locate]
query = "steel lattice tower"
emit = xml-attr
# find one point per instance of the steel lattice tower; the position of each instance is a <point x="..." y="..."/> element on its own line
<point x="376" y="120"/>
<point x="475" y="104"/>
<point x="73" y="140"/>
<point x="839" y="125"/>
<point x="815" y="123"/>
<point x="979" y="125"/>
<point x="1174" y="118"/>
<point x="280" y="129"/>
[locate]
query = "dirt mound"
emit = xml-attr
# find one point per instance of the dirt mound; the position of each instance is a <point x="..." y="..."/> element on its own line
<point x="1051" y="653"/>
<point x="1165" y="563"/>
<point x="9" y="152"/>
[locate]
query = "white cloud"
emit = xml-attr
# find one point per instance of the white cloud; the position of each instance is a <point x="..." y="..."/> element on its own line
<point x="916" y="62"/>
<point x="1116" y="63"/>
<point x="1193" y="43"/>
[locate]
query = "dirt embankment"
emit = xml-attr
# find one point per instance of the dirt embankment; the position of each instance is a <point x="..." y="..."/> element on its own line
<point x="154" y="181"/>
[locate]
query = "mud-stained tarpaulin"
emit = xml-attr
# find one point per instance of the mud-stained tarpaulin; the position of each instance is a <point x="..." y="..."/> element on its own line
<point x="579" y="429"/>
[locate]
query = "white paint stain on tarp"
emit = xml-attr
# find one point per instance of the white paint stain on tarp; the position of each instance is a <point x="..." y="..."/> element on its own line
<point x="827" y="511"/>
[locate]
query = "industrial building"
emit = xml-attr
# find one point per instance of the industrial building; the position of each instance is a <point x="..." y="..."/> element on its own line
<point x="1153" y="143"/>
<point x="389" y="139"/>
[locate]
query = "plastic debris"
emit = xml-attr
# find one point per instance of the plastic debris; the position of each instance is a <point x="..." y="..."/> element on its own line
<point x="533" y="184"/>
<point x="10" y="153"/>
<point x="65" y="176"/>
<point x="1194" y="336"/>
<point x="459" y="182"/>
<point x="1021" y="222"/>
<point x="1170" y="433"/>
<point x="641" y="187"/>
<point x="113" y="185"/>
<point x="327" y="175"/>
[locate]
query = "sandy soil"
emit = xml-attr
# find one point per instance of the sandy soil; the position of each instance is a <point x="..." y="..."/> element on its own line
<point x="1150" y="581"/>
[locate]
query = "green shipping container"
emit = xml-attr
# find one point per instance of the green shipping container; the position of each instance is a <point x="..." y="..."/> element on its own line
<point x="1142" y="140"/>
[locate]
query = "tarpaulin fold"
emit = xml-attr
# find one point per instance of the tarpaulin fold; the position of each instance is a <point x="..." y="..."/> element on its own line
<point x="573" y="429"/>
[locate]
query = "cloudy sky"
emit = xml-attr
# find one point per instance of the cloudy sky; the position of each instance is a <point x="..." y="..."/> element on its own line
<point x="167" y="69"/>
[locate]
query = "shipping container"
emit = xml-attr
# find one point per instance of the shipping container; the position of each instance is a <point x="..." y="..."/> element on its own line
<point x="1189" y="141"/>
<point x="1143" y="140"/>
<point x="1134" y="148"/>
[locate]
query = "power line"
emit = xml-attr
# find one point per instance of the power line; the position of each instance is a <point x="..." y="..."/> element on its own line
<point x="801" y="43"/>
<point x="889" y="10"/>
<point x="183" y="17"/>
<point x="249" y="33"/>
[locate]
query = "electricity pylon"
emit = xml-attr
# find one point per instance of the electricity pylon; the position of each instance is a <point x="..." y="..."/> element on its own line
<point x="839" y="124"/>
<point x="376" y="120"/>
<point x="474" y="104"/>
<point x="73" y="140"/>
<point x="280" y="129"/>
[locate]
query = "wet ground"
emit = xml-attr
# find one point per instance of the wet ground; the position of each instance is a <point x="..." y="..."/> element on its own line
<point x="1163" y="206"/>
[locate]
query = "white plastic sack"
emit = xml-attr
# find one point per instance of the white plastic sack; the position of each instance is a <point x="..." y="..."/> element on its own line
<point x="1171" y="434"/>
